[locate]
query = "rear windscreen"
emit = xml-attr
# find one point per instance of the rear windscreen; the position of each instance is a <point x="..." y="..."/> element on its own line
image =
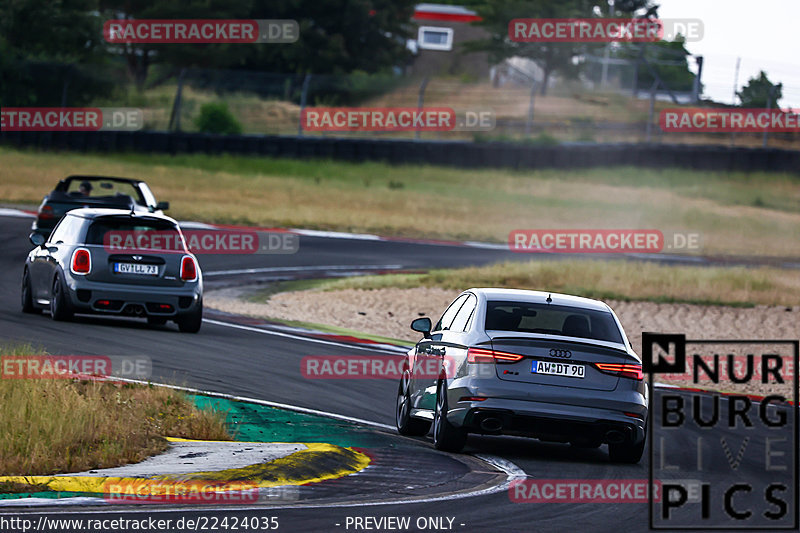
<point x="98" y="189"/>
<point x="121" y="233"/>
<point x="551" y="319"/>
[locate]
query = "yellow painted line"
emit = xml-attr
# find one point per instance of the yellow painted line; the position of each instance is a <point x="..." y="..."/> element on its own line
<point x="318" y="462"/>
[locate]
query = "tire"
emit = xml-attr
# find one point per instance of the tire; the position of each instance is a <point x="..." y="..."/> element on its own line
<point x="27" y="294"/>
<point x="446" y="437"/>
<point x="406" y="425"/>
<point x="191" y="323"/>
<point x="625" y="452"/>
<point x="586" y="445"/>
<point x="156" y="320"/>
<point x="60" y="309"/>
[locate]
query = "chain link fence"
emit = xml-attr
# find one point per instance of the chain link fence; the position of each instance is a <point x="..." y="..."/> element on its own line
<point x="606" y="104"/>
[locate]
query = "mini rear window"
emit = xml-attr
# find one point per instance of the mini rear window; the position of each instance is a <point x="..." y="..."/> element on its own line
<point x="551" y="319"/>
<point x="135" y="232"/>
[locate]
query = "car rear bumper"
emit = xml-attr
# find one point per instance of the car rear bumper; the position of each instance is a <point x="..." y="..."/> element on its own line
<point x="133" y="300"/>
<point x="610" y="416"/>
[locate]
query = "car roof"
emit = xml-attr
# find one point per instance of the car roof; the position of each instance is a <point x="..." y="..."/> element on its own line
<point x="99" y="212"/>
<point x="101" y="178"/>
<point x="521" y="295"/>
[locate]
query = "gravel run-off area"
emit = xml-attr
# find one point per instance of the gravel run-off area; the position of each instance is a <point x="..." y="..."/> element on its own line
<point x="388" y="312"/>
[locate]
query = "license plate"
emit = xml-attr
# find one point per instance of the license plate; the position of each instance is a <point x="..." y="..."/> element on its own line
<point x="136" y="268"/>
<point x="557" y="369"/>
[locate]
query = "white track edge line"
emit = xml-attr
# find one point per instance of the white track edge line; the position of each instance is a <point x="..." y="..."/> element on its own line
<point x="372" y="347"/>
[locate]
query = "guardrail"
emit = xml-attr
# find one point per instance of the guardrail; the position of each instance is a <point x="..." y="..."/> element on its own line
<point x="447" y="153"/>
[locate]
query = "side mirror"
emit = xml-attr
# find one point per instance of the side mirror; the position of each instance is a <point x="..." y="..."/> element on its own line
<point x="423" y="325"/>
<point x="162" y="206"/>
<point x="36" y="238"/>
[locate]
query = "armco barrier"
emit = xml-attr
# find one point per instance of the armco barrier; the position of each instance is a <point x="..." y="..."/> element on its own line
<point x="448" y="153"/>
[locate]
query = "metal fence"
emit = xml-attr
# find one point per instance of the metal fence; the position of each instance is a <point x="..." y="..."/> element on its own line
<point x="271" y="103"/>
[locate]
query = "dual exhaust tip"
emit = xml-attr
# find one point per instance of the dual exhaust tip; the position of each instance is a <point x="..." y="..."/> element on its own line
<point x="134" y="310"/>
<point x="493" y="424"/>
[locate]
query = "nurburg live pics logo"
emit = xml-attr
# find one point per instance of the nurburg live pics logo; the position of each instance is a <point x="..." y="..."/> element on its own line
<point x="723" y="460"/>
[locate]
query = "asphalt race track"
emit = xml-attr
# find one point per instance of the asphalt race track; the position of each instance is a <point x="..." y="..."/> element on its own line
<point x="258" y="364"/>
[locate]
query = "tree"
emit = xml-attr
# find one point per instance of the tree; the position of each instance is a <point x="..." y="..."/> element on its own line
<point x="336" y="36"/>
<point x="41" y="41"/>
<point x="760" y="92"/>
<point x="551" y="57"/>
<point x="669" y="59"/>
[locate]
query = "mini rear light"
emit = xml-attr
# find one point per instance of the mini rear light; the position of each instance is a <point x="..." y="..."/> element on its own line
<point x="102" y="303"/>
<point x="632" y="371"/>
<point x="188" y="269"/>
<point x="81" y="261"/>
<point x="46" y="213"/>
<point x="634" y="415"/>
<point x="482" y="355"/>
<point x="164" y="307"/>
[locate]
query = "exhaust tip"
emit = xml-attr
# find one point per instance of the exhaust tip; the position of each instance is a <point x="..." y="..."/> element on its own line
<point x="491" y="424"/>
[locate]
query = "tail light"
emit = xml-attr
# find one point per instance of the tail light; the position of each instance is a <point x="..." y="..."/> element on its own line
<point x="81" y="261"/>
<point x="46" y="213"/>
<point x="188" y="269"/>
<point x="482" y="355"/>
<point x="633" y="371"/>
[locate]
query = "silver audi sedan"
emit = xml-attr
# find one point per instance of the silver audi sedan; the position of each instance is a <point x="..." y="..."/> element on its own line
<point x="515" y="362"/>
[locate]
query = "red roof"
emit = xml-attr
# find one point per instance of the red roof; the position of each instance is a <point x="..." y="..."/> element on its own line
<point x="444" y="13"/>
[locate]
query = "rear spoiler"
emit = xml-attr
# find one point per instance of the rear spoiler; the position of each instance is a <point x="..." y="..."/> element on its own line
<point x="515" y="336"/>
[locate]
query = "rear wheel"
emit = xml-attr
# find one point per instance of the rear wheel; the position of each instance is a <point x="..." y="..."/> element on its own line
<point x="191" y="323"/>
<point x="625" y="452"/>
<point x="406" y="425"/>
<point x="59" y="302"/>
<point x="446" y="437"/>
<point x="587" y="444"/>
<point x="27" y="294"/>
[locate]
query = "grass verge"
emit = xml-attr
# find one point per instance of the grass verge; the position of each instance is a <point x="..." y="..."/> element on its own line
<point x="734" y="213"/>
<point x="53" y="426"/>
<point x="612" y="280"/>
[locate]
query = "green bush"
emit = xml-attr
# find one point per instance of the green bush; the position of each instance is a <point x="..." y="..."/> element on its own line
<point x="216" y="118"/>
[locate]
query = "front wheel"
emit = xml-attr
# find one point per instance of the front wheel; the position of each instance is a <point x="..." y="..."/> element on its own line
<point x="625" y="452"/>
<point x="446" y="437"/>
<point x="191" y="323"/>
<point x="406" y="425"/>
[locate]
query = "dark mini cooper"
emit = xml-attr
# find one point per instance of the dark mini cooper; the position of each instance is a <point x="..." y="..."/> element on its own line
<point x="87" y="267"/>
<point x="75" y="192"/>
<point x="551" y="366"/>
